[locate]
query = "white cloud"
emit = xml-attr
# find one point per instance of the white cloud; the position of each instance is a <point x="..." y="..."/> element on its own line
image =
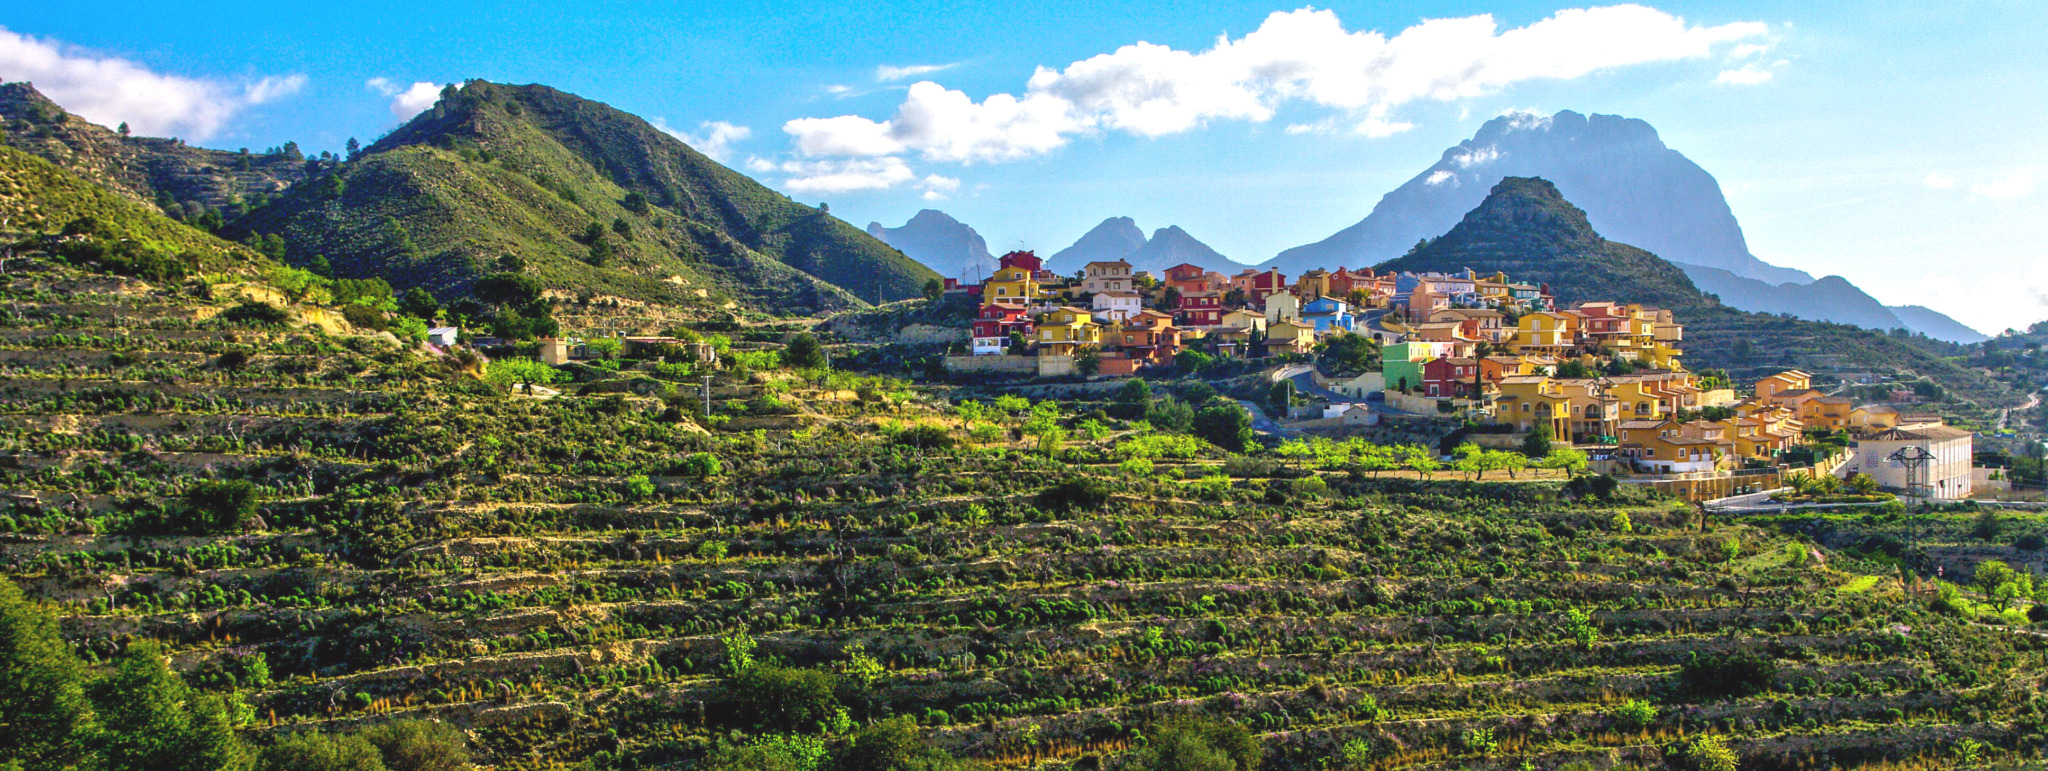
<point x="1747" y="50"/>
<point x="716" y="141"/>
<point x="938" y="188"/>
<point x="1305" y="55"/>
<point x="109" y="90"/>
<point x="886" y="73"/>
<point x="1479" y="157"/>
<point x="1747" y="75"/>
<point x="406" y="101"/>
<point x="2005" y="188"/>
<point x="845" y="175"/>
<point x="1440" y="177"/>
<point x="1939" y="181"/>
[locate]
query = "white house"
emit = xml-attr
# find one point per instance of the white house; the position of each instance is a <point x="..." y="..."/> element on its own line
<point x="1947" y="475"/>
<point x="1117" y="306"/>
<point x="442" y="337"/>
<point x="1282" y="306"/>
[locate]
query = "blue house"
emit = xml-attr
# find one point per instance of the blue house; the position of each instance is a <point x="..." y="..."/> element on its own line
<point x="1327" y="314"/>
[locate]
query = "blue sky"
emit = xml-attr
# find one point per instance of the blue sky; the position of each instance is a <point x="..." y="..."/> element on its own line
<point x="1897" y="146"/>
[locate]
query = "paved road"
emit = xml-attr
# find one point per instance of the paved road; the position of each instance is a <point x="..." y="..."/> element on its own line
<point x="1304" y="379"/>
<point x="1263" y="424"/>
<point x="2005" y="415"/>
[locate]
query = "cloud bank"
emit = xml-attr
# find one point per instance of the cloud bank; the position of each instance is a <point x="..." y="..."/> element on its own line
<point x="109" y="90"/>
<point x="1303" y="56"/>
<point x="406" y="101"/>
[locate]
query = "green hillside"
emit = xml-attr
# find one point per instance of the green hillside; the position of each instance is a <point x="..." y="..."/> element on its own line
<point x="37" y="197"/>
<point x="174" y="177"/>
<point x="1526" y="228"/>
<point x="596" y="202"/>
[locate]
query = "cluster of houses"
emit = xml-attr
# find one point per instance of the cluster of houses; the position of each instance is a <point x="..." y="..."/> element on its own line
<point x="1134" y="319"/>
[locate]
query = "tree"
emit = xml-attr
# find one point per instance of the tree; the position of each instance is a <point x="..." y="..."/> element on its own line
<point x="804" y="352"/>
<point x="1862" y="484"/>
<point x="1198" y="744"/>
<point x="700" y="465"/>
<point x="1537" y="443"/>
<point x="123" y="129"/>
<point x="45" y="720"/>
<point x="315" y="751"/>
<point x="934" y="289"/>
<point x="420" y="745"/>
<point x="419" y="304"/>
<point x="155" y="722"/>
<point x="1571" y="459"/>
<point x="894" y="745"/>
<point x="1280" y="398"/>
<point x="1225" y="425"/>
<point x="221" y="506"/>
<point x="785" y="699"/>
<point x="354" y="148"/>
<point x="635" y="202"/>
<point x="1088" y="361"/>
<point x="506" y="373"/>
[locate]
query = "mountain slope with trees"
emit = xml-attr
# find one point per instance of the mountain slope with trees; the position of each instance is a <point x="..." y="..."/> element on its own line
<point x="593" y="201"/>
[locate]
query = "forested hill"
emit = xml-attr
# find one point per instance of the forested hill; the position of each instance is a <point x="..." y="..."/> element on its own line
<point x="595" y="201"/>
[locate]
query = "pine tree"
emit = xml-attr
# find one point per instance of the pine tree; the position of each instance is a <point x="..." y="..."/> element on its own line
<point x="155" y="723"/>
<point x="45" y="719"/>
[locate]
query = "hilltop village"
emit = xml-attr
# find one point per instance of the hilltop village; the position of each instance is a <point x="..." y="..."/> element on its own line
<point x="1605" y="376"/>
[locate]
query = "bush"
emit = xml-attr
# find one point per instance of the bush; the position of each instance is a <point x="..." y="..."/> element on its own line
<point x="701" y="465"/>
<point x="1198" y="744"/>
<point x="925" y="437"/>
<point x="314" y="751"/>
<point x="1225" y="425"/>
<point x="1081" y="493"/>
<point x="1634" y="714"/>
<point x="2030" y="542"/>
<point x="220" y="507"/>
<point x="420" y="745"/>
<point x="784" y="698"/>
<point x="254" y="313"/>
<point x="895" y="745"/>
<point x="1728" y="674"/>
<point x="1708" y="753"/>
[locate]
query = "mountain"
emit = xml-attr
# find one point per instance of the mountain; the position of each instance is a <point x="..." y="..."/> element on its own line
<point x="1937" y="325"/>
<point x="1632" y="187"/>
<point x="1170" y="246"/>
<point x="940" y="243"/>
<point x="165" y="174"/>
<point x="1526" y="228"/>
<point x="1118" y="238"/>
<point x="1115" y="239"/>
<point x="596" y="203"/>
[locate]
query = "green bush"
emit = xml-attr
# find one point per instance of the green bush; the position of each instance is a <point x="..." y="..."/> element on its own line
<point x="785" y="699"/>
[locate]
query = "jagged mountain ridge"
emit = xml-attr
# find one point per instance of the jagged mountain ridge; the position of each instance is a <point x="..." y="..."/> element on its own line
<point x="595" y="201"/>
<point x="1119" y="238"/>
<point x="941" y="243"/>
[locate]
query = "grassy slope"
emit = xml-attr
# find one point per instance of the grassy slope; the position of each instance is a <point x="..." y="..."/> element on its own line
<point x="138" y="168"/>
<point x="1528" y="230"/>
<point x="524" y="170"/>
<point x="37" y="196"/>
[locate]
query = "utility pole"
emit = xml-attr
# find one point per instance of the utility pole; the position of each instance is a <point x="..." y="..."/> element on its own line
<point x="707" y="396"/>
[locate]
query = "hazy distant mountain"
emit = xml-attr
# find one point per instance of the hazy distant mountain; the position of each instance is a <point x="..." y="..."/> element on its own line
<point x="1118" y="238"/>
<point x="1633" y="188"/>
<point x="1115" y="239"/>
<point x="1935" y="324"/>
<point x="940" y="242"/>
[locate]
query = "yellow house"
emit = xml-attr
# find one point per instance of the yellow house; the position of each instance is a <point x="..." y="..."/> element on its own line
<point x="1065" y="329"/>
<point x="1831" y="412"/>
<point x="1769" y="388"/>
<point x="1639" y="399"/>
<point x="1012" y="287"/>
<point x="1545" y="333"/>
<point x="1528" y="401"/>
<point x="1289" y="337"/>
<point x="1873" y="418"/>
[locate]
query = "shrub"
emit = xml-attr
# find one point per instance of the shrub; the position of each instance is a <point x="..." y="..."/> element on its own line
<point x="894" y="745"/>
<point x="1199" y="744"/>
<point x="1708" y="753"/>
<point x="701" y="465"/>
<point x="313" y="751"/>
<point x="1224" y="425"/>
<point x="2030" y="542"/>
<point x="420" y="745"/>
<point x="925" y="437"/>
<point x="1080" y="493"/>
<point x="1634" y="714"/>
<point x="254" y="313"/>
<point x="1728" y="674"/>
<point x="220" y="507"/>
<point x="785" y="698"/>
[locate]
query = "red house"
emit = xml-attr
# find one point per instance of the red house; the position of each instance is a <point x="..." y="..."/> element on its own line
<point x="1025" y="260"/>
<point x="1187" y="278"/>
<point x="1199" y="309"/>
<point x="1445" y="377"/>
<point x="1342" y="281"/>
<point x="992" y="328"/>
<point x="1257" y="285"/>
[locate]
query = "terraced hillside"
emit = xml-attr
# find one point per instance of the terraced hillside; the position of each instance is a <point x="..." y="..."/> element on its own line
<point x="597" y="202"/>
<point x="344" y="533"/>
